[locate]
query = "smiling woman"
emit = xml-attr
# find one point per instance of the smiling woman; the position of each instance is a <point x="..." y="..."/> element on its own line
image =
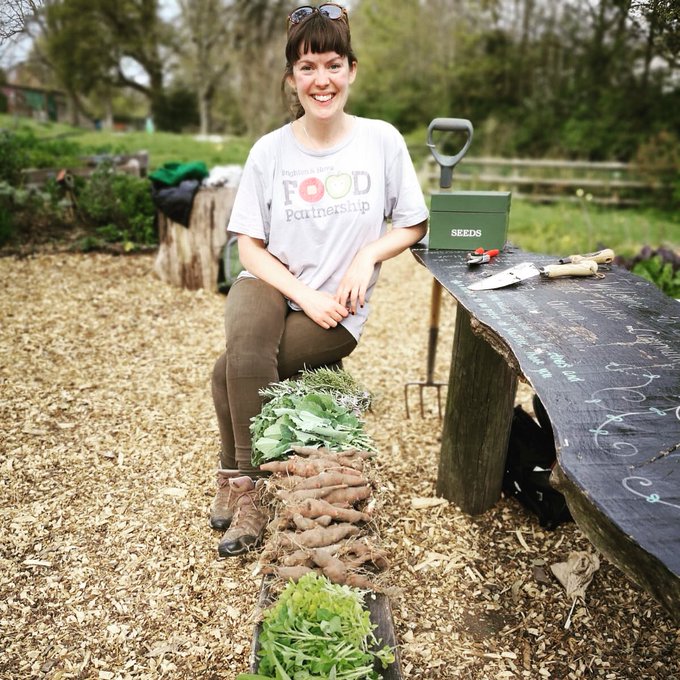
<point x="311" y="215"/>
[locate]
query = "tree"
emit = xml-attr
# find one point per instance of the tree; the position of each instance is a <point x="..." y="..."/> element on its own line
<point x="407" y="52"/>
<point x="70" y="44"/>
<point x="86" y="44"/>
<point x="136" y="32"/>
<point x="205" y="42"/>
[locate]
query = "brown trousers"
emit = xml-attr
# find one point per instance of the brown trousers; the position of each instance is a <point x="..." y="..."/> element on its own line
<point x="266" y="342"/>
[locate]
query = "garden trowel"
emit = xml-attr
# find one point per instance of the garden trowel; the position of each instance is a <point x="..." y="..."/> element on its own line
<point x="527" y="270"/>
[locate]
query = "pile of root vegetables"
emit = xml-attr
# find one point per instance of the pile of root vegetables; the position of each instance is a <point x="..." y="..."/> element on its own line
<point x="324" y="509"/>
<point x="321" y="491"/>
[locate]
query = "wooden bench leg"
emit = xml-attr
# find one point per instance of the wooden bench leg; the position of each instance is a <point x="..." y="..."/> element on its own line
<point x="479" y="407"/>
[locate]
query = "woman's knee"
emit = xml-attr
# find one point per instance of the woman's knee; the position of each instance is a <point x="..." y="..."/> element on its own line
<point x="306" y="345"/>
<point x="255" y="315"/>
<point x="255" y="319"/>
<point x="219" y="375"/>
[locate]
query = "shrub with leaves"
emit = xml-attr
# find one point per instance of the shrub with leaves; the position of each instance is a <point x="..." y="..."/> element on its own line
<point x="21" y="149"/>
<point x="29" y="211"/>
<point x="13" y="157"/>
<point x="119" y="206"/>
<point x="661" y="266"/>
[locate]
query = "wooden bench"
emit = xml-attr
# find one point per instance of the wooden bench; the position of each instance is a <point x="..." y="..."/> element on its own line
<point x="604" y="358"/>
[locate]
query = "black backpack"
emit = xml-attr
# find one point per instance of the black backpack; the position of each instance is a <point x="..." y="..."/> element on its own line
<point x="531" y="456"/>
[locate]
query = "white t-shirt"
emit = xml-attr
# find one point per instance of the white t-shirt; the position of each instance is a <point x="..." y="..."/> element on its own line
<point x="316" y="209"/>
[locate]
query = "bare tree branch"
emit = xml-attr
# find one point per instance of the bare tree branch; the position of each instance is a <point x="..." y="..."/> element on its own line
<point x="14" y="15"/>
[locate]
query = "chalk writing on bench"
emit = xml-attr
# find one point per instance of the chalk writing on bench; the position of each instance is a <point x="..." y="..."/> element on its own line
<point x="575" y="332"/>
<point x="649" y="497"/>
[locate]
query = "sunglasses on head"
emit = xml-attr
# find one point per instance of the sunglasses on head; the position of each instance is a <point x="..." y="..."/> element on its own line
<point x="329" y="10"/>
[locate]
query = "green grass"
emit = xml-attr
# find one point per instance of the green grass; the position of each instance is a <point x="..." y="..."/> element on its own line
<point x="568" y="228"/>
<point x="163" y="147"/>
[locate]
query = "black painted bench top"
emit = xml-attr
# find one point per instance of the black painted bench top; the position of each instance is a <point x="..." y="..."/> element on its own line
<point x="604" y="358"/>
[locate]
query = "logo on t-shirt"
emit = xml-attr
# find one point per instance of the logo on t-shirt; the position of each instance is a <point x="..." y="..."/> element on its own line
<point x="335" y="187"/>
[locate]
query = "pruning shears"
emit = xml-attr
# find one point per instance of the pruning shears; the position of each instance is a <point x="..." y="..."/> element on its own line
<point x="481" y="256"/>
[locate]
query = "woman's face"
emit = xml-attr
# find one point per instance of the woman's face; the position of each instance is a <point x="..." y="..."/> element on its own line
<point x="322" y="83"/>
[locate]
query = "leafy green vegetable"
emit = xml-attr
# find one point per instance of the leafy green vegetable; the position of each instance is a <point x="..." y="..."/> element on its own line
<point x="318" y="629"/>
<point x="332" y="381"/>
<point x="305" y="420"/>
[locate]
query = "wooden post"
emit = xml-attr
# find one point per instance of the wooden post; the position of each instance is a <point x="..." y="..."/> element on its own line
<point x="479" y="408"/>
<point x="188" y="257"/>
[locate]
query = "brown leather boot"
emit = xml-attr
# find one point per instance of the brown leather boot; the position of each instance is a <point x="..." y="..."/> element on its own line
<point x="224" y="504"/>
<point x="247" y="526"/>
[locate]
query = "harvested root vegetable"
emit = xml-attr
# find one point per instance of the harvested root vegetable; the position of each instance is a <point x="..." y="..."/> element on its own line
<point x="325" y="453"/>
<point x="350" y="458"/>
<point x="348" y="495"/>
<point x="317" y="527"/>
<point x="288" y="573"/>
<point x="329" y="478"/>
<point x="318" y="507"/>
<point x="361" y="551"/>
<point x="334" y="569"/>
<point x="298" y="558"/>
<point x="314" y="538"/>
<point x="286" y="481"/>
<point x="297" y="496"/>
<point x="306" y="467"/>
<point x="305" y="523"/>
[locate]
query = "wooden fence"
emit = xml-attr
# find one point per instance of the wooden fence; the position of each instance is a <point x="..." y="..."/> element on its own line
<point x="547" y="180"/>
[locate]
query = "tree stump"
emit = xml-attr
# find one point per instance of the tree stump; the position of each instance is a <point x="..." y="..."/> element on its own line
<point x="189" y="257"/>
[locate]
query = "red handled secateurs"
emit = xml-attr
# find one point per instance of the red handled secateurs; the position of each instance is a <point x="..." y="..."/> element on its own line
<point x="481" y="256"/>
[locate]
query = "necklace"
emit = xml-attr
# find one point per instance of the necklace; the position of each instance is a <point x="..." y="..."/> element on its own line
<point x="304" y="127"/>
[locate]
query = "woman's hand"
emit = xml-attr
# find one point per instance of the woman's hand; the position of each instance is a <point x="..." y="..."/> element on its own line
<point x="354" y="284"/>
<point x="322" y="308"/>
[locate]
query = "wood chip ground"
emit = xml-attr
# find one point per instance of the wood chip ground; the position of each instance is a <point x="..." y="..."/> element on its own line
<point x="108" y="568"/>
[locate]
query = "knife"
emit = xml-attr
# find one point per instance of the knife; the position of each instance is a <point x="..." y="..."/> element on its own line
<point x="526" y="270"/>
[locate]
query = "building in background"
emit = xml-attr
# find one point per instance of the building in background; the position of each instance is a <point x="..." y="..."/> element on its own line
<point x="33" y="102"/>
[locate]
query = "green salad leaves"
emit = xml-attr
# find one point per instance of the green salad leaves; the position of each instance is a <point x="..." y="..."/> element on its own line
<point x="318" y="630"/>
<point x="322" y="408"/>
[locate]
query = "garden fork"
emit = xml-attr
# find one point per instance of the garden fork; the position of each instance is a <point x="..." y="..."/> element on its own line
<point x="435" y="308"/>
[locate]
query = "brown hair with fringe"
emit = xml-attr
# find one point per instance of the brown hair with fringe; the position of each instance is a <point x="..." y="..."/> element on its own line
<point x="317" y="34"/>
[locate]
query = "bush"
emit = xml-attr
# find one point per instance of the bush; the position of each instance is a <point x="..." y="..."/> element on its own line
<point x="118" y="207"/>
<point x="31" y="214"/>
<point x="660" y="266"/>
<point x="6" y="224"/>
<point x="13" y="157"/>
<point x="22" y="149"/>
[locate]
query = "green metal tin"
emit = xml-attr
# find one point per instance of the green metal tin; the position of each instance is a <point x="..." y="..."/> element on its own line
<point x="467" y="220"/>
